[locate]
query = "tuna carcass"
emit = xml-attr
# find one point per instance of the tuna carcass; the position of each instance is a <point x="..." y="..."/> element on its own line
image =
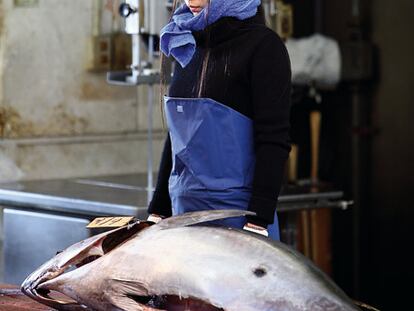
<point x="229" y="269"/>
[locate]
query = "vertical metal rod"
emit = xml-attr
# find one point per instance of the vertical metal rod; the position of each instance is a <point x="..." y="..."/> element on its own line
<point x="356" y="185"/>
<point x="150" y="152"/>
<point x="358" y="159"/>
<point x="318" y="16"/>
<point x="136" y="56"/>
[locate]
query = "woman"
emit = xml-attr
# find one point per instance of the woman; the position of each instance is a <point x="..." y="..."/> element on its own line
<point x="227" y="113"/>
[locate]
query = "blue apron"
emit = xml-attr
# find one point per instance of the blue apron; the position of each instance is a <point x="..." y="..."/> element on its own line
<point x="213" y="158"/>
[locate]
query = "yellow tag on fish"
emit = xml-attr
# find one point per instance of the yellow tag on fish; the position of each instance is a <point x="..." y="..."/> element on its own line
<point x="110" y="222"/>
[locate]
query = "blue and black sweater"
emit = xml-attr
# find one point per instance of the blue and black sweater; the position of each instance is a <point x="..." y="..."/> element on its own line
<point x="249" y="71"/>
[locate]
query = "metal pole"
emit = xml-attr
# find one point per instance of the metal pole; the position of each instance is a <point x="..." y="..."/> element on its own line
<point x="358" y="159"/>
<point x="136" y="57"/>
<point x="150" y="152"/>
<point x="356" y="184"/>
<point x="318" y="16"/>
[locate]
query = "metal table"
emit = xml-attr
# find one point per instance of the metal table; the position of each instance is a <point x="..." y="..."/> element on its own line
<point x="42" y="217"/>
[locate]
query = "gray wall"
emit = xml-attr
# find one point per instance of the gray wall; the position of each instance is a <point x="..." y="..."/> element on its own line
<point x="386" y="227"/>
<point x="393" y="149"/>
<point x="388" y="213"/>
<point x="56" y="118"/>
<point x="392" y="210"/>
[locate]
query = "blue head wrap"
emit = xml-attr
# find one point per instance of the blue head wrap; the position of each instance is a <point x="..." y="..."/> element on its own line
<point x="176" y="37"/>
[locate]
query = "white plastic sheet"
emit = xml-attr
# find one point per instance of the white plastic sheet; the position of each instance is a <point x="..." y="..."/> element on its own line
<point x="315" y="60"/>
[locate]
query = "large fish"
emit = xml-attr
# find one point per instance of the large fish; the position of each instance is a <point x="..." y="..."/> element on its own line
<point x="225" y="268"/>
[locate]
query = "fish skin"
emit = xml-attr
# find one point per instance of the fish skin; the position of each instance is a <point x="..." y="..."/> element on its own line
<point x="168" y="263"/>
<point x="227" y="268"/>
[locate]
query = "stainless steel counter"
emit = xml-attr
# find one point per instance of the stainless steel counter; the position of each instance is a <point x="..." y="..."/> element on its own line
<point x="43" y="217"/>
<point x="112" y="195"/>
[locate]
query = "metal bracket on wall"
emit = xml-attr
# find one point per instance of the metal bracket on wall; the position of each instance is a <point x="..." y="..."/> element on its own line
<point x="341" y="204"/>
<point x="126" y="78"/>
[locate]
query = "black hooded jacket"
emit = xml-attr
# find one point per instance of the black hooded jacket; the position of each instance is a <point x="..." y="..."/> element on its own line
<point x="249" y="71"/>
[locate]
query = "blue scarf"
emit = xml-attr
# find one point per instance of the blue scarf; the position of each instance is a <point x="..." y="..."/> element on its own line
<point x="177" y="38"/>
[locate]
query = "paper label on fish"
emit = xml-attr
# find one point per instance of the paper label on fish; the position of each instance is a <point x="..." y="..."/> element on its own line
<point x="110" y="222"/>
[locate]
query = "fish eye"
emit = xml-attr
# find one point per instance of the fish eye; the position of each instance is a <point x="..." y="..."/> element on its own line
<point x="260" y="272"/>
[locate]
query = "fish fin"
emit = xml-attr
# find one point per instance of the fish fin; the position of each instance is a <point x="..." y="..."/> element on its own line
<point x="128" y="304"/>
<point x="193" y="218"/>
<point x="365" y="306"/>
<point x="127" y="287"/>
<point x="122" y="293"/>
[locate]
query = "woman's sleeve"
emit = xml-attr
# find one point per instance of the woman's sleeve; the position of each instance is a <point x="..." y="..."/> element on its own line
<point x="271" y="91"/>
<point x="161" y="202"/>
